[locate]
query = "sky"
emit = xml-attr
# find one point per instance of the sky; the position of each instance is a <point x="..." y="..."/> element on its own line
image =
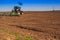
<point x="30" y="5"/>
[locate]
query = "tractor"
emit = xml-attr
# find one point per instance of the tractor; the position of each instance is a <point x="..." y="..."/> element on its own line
<point x="16" y="10"/>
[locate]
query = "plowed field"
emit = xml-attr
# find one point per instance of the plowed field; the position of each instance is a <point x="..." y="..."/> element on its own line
<point x="31" y="26"/>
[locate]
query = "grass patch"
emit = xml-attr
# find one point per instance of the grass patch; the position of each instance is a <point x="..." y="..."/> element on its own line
<point x="28" y="38"/>
<point x="8" y="31"/>
<point x="17" y="38"/>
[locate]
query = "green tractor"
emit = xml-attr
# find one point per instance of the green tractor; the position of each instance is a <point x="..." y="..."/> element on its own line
<point x="16" y="11"/>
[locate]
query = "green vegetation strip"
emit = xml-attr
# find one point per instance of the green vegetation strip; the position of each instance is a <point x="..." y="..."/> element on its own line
<point x="28" y="38"/>
<point x="18" y="36"/>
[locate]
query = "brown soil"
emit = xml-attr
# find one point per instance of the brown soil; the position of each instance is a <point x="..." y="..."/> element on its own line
<point x="31" y="25"/>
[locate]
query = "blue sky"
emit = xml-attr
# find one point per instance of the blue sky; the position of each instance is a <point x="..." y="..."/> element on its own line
<point x="30" y="5"/>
